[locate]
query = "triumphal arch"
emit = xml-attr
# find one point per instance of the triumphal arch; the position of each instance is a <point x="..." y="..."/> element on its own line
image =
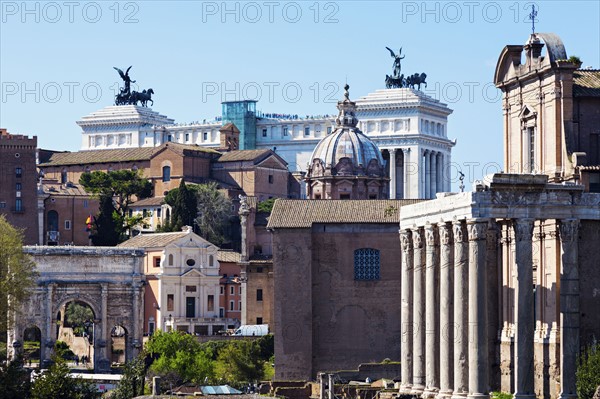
<point x="108" y="280"/>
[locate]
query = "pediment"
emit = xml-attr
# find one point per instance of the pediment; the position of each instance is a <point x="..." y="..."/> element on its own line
<point x="272" y="162"/>
<point x="527" y="112"/>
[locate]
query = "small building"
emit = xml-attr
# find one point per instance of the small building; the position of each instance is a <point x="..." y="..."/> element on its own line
<point x="182" y="274"/>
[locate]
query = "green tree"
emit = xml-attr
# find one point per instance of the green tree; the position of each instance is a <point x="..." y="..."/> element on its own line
<point x="588" y="372"/>
<point x="266" y="205"/>
<point x="77" y="315"/>
<point x="14" y="380"/>
<point x="132" y="382"/>
<point x="116" y="191"/>
<point x="240" y="362"/>
<point x="214" y="210"/>
<point x="56" y="383"/>
<point x="184" y="206"/>
<point x="17" y="272"/>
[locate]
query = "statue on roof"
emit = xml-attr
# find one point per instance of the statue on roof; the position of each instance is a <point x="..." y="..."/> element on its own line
<point x="128" y="97"/>
<point x="397" y="79"/>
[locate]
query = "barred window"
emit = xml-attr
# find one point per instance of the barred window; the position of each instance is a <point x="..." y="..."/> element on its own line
<point x="366" y="264"/>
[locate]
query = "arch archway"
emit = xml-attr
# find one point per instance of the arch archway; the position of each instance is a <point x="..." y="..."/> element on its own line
<point x="118" y="345"/>
<point x="32" y="343"/>
<point x="76" y="326"/>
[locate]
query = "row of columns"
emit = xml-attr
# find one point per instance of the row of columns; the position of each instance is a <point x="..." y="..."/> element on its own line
<point x="428" y="170"/>
<point x="450" y="308"/>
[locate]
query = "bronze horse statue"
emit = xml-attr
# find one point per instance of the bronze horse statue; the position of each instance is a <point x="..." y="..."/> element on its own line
<point x="142" y="97"/>
<point x="416" y="80"/>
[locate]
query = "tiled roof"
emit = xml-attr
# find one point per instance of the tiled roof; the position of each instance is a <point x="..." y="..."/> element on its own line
<point x="71" y="190"/>
<point x="118" y="155"/>
<point x="243" y="155"/>
<point x="153" y="240"/>
<point x="152" y="201"/>
<point x="228" y="256"/>
<point x="303" y="213"/>
<point x="586" y="83"/>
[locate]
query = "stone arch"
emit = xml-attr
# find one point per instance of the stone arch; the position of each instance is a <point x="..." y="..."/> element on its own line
<point x="57" y="306"/>
<point x="32" y="353"/>
<point x="118" y="345"/>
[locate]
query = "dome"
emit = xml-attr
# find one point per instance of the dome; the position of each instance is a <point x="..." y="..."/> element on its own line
<point x="347" y="141"/>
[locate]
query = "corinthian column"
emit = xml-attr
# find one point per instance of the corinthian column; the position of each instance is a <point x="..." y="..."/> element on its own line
<point x="569" y="308"/>
<point x="446" y="309"/>
<point x="524" y="387"/>
<point x="478" y="353"/>
<point x="418" y="313"/>
<point x="461" y="321"/>
<point x="431" y="312"/>
<point x="406" y="298"/>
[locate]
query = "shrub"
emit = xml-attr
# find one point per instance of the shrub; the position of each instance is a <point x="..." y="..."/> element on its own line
<point x="588" y="372"/>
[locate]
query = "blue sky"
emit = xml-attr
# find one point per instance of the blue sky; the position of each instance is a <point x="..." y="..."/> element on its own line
<point x="56" y="58"/>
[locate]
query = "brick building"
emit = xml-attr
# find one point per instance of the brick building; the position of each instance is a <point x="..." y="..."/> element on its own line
<point x="18" y="183"/>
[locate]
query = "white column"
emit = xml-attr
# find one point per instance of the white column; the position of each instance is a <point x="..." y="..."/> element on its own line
<point x="407" y="171"/>
<point x="392" y="164"/>
<point x="433" y="178"/>
<point x="446" y="309"/>
<point x="427" y="162"/>
<point x="524" y="385"/>
<point x="569" y="308"/>
<point x="406" y="301"/>
<point x="461" y="329"/>
<point x="478" y="352"/>
<point x="431" y="312"/>
<point x="439" y="173"/>
<point x="418" y="313"/>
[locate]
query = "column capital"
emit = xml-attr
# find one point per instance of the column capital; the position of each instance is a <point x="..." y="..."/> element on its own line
<point x="523" y="229"/>
<point x="458" y="231"/>
<point x="477" y="229"/>
<point x="445" y="230"/>
<point x="406" y="239"/>
<point x="568" y="230"/>
<point x="405" y="150"/>
<point x="417" y="237"/>
<point x="431" y="234"/>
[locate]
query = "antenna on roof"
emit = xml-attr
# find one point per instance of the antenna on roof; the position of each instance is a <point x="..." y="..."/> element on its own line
<point x="532" y="16"/>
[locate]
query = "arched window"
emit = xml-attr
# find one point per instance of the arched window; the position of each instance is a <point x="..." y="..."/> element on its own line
<point x="170" y="259"/>
<point x="52" y="221"/>
<point x="366" y="264"/>
<point x="166" y="173"/>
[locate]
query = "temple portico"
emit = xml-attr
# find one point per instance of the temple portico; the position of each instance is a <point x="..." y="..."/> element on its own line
<point x="472" y="295"/>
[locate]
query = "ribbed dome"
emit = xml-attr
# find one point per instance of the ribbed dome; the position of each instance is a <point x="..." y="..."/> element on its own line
<point x="347" y="141"/>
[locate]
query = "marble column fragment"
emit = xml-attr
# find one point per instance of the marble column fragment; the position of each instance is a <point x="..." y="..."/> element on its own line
<point x="569" y="307"/>
<point x="478" y="353"/>
<point x="524" y="384"/>
<point x="461" y="321"/>
<point x="406" y="346"/>
<point x="446" y="309"/>
<point x="418" y="313"/>
<point x="432" y="265"/>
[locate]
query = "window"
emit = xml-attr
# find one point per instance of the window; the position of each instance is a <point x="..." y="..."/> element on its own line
<point x="63" y="176"/>
<point x="166" y="173"/>
<point x="222" y="290"/>
<point x="18" y="205"/>
<point x="240" y="306"/>
<point x="328" y="129"/>
<point x="169" y="138"/>
<point x="240" y="290"/>
<point x="170" y="302"/>
<point x="67" y="225"/>
<point x="187" y="137"/>
<point x="232" y="290"/>
<point x="531" y="136"/>
<point x="205" y="136"/>
<point x="211" y="261"/>
<point x="190" y="262"/>
<point x="221" y="312"/>
<point x="18" y="186"/>
<point x="151" y="328"/>
<point x="344" y="196"/>
<point x="190" y="307"/>
<point x="85" y="203"/>
<point x="264" y="133"/>
<point x="285" y="131"/>
<point x="190" y="288"/>
<point x="259" y="320"/>
<point x="2" y="204"/>
<point x="270" y="179"/>
<point x="307" y="131"/>
<point x="144" y="213"/>
<point x="170" y="259"/>
<point x="18" y="173"/>
<point x="210" y="304"/>
<point x="366" y="264"/>
<point x="157" y="261"/>
<point x="594" y="182"/>
<point x="158" y="212"/>
<point x="259" y="269"/>
<point x="259" y="295"/>
<point x="231" y="305"/>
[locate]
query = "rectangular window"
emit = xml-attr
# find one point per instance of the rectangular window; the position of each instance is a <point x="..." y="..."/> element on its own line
<point x="259" y="320"/>
<point x="531" y="134"/>
<point x="205" y="136"/>
<point x="328" y="129"/>
<point x="264" y="133"/>
<point x="366" y="264"/>
<point x="307" y="131"/>
<point x="222" y="290"/>
<point x="240" y="306"/>
<point x="157" y="261"/>
<point x="151" y="328"/>
<point x="270" y="179"/>
<point x="18" y="172"/>
<point x="210" y="303"/>
<point x="187" y="137"/>
<point x="169" y="138"/>
<point x="18" y="205"/>
<point x="190" y="307"/>
<point x="170" y="302"/>
<point x="285" y="131"/>
<point x="231" y="305"/>
<point x="67" y="225"/>
<point x="85" y="203"/>
<point x="259" y="295"/>
<point x="221" y="312"/>
<point x="18" y="186"/>
<point x="232" y="290"/>
<point x="144" y="213"/>
<point x="240" y="290"/>
<point x="158" y="212"/>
